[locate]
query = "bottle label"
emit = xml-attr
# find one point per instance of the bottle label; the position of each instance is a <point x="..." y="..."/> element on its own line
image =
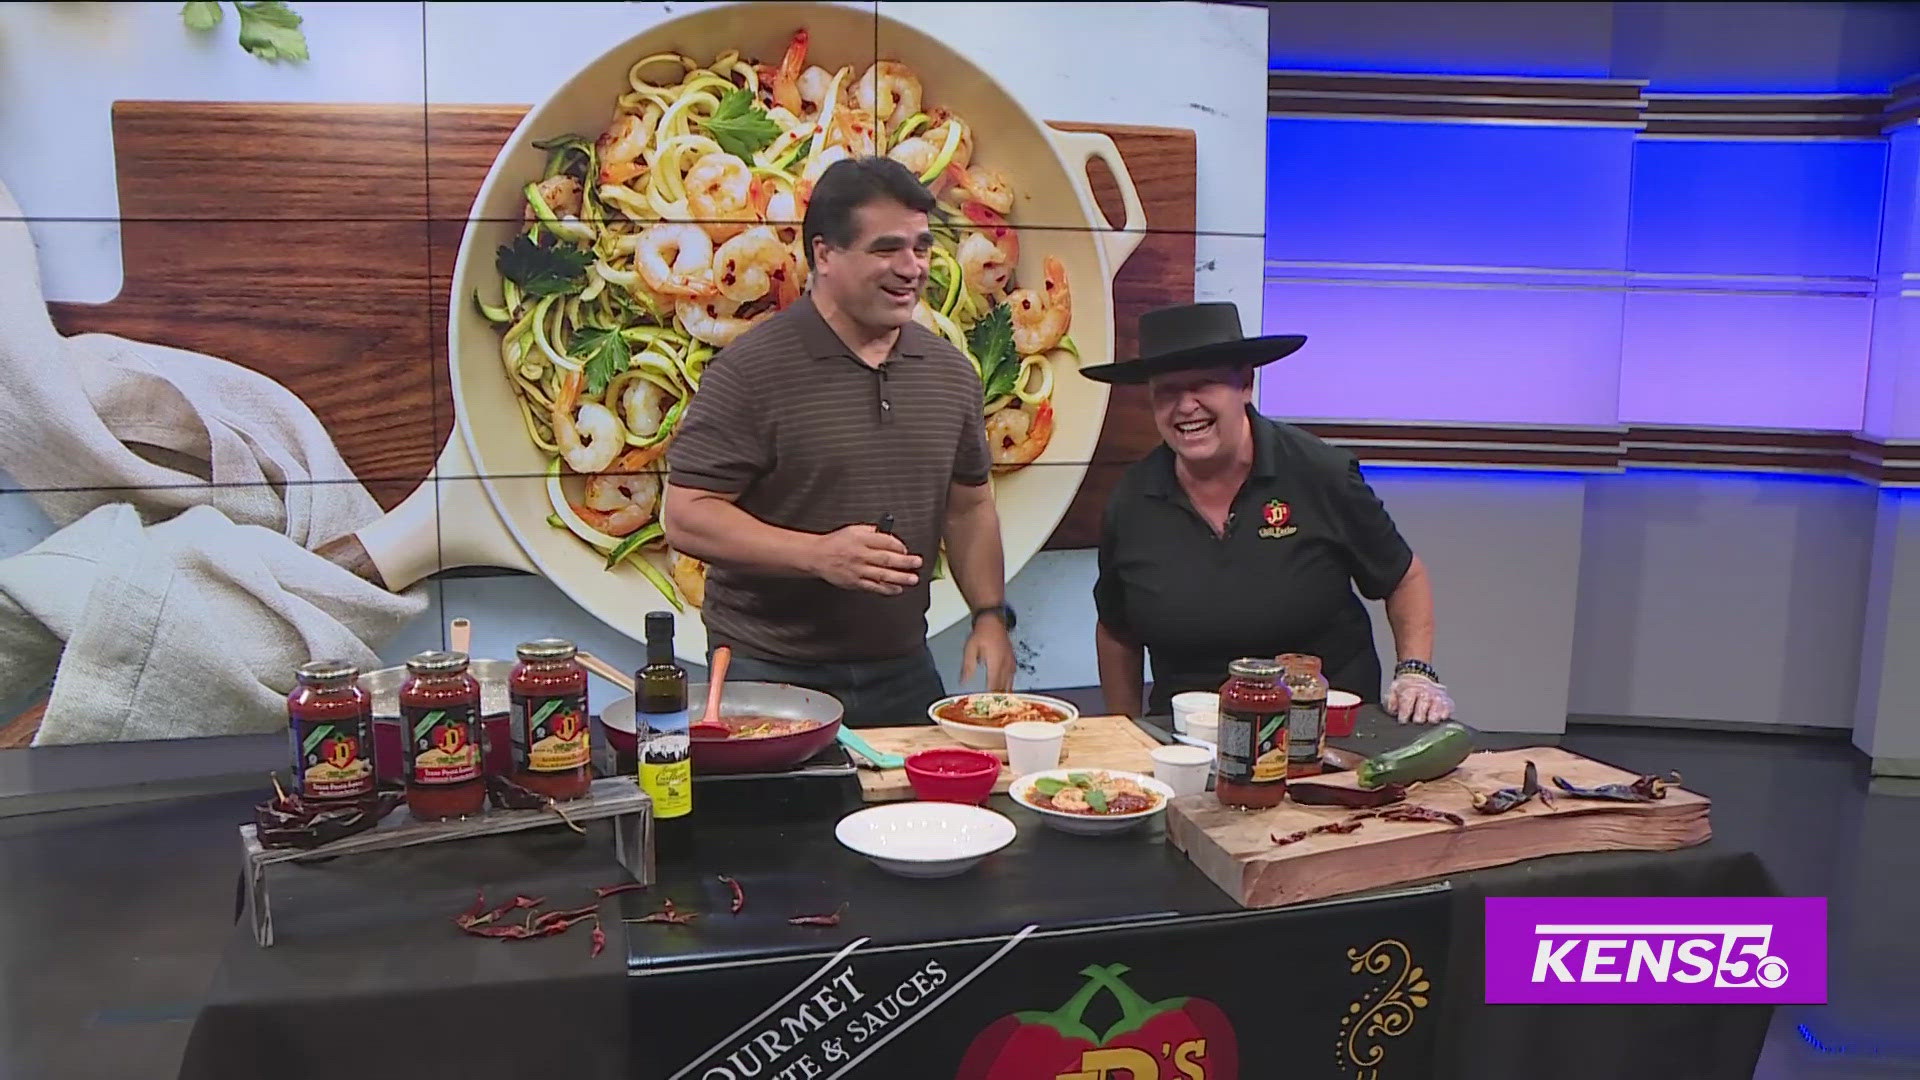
<point x="1253" y="746"/>
<point x="666" y="763"/>
<point x="444" y="744"/>
<point x="1306" y="731"/>
<point x="550" y="733"/>
<point x="336" y="758"/>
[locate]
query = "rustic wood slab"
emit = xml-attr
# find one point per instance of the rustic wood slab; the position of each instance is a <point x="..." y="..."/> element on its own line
<point x="1235" y="848"/>
<point x="615" y="797"/>
<point x="315" y="243"/>
<point x="1093" y="742"/>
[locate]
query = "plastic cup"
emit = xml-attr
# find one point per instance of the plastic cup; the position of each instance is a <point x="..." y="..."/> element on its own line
<point x="1183" y="768"/>
<point x="1033" y="746"/>
<point x="1342" y="709"/>
<point x="1195" y="705"/>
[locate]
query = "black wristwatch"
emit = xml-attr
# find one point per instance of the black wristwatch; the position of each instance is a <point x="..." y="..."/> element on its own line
<point x="1005" y="611"/>
<point x="1416" y="667"/>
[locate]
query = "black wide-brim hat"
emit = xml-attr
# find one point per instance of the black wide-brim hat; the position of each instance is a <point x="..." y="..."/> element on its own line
<point x="1192" y="336"/>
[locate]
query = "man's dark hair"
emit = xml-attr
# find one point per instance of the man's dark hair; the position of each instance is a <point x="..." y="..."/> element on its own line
<point x="850" y="184"/>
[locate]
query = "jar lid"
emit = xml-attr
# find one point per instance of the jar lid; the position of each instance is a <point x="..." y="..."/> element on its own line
<point x="1254" y="667"/>
<point x="550" y="648"/>
<point x="437" y="663"/>
<point x="1300" y="664"/>
<point x="327" y="671"/>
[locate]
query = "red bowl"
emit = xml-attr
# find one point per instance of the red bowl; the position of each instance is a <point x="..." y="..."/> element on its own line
<point x="953" y="774"/>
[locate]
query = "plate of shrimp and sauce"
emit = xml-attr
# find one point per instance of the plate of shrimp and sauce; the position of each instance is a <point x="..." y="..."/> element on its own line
<point x="1094" y="802"/>
<point x="648" y="213"/>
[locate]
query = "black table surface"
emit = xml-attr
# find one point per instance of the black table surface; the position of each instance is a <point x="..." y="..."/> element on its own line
<point x="369" y="939"/>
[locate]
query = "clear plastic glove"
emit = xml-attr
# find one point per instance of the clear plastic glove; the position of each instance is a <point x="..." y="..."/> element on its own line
<point x="1417" y="699"/>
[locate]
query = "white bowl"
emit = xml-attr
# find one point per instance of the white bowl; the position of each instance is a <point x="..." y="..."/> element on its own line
<point x="925" y="839"/>
<point x="1087" y="824"/>
<point x="991" y="738"/>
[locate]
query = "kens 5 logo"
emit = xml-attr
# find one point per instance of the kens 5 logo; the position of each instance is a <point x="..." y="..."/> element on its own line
<point x="1592" y="950"/>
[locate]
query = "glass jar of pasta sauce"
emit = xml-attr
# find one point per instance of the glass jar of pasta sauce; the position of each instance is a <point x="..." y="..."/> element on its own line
<point x="440" y="721"/>
<point x="1253" y="736"/>
<point x="552" y="754"/>
<point x="330" y="725"/>
<point x="1307" y="714"/>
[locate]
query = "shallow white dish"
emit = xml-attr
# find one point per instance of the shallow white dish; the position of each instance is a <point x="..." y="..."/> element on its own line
<point x="925" y="839"/>
<point x="991" y="738"/>
<point x="1087" y="824"/>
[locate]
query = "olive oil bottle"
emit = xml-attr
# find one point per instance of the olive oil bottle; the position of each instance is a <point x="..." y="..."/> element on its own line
<point x="666" y="751"/>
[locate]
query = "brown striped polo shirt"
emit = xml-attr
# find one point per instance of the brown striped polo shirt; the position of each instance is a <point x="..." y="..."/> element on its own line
<point x="811" y="438"/>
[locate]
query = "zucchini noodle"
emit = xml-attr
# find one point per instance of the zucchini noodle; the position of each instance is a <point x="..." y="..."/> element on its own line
<point x="596" y="288"/>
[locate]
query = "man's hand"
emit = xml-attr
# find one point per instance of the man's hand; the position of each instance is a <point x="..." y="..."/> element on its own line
<point x="862" y="558"/>
<point x="989" y="646"/>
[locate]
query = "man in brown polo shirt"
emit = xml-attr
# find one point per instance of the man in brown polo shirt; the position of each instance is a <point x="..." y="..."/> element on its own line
<point x="812" y="428"/>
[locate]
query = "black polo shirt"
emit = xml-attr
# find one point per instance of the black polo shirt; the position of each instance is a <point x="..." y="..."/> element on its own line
<point x="808" y="436"/>
<point x="1304" y="533"/>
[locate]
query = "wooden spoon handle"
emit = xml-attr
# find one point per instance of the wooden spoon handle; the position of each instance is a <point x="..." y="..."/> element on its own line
<point x="460" y="636"/>
<point x="716" y="678"/>
<point x="605" y="670"/>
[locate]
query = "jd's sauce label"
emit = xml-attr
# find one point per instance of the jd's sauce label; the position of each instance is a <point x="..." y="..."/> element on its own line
<point x="1253" y="746"/>
<point x="336" y="758"/>
<point x="666" y="763"/>
<point x="550" y="732"/>
<point x="443" y="744"/>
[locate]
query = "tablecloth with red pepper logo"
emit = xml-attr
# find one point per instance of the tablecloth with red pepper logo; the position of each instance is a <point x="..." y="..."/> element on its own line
<point x="1176" y="1038"/>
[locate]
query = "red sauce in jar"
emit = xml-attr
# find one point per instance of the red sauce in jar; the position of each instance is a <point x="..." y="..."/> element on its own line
<point x="330" y="725"/>
<point x="440" y="721"/>
<point x="552" y="751"/>
<point x="1253" y="736"/>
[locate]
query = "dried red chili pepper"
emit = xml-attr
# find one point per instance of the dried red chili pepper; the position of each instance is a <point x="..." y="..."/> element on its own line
<point x="505" y="930"/>
<point x="292" y="821"/>
<point x="1508" y="798"/>
<point x="830" y="919"/>
<point x="667" y="914"/>
<point x="599" y="939"/>
<point x="605" y="891"/>
<point x="739" y="894"/>
<point x="504" y="794"/>
<point x="1309" y="793"/>
<point x="576" y="913"/>
<point x="1346" y="826"/>
<point x="1418" y="813"/>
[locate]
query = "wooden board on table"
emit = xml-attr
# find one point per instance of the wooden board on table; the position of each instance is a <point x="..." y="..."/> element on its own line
<point x="1236" y="850"/>
<point x="1093" y="742"/>
<point x="315" y="244"/>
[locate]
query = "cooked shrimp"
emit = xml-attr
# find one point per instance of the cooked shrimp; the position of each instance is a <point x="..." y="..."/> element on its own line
<point x="751" y="265"/>
<point x="987" y="187"/>
<point x="939" y="130"/>
<point x="644" y="407"/>
<point x="1040" y="318"/>
<point x="690" y="577"/>
<point x="720" y="194"/>
<point x="622" y="503"/>
<point x="673" y="257"/>
<point x="714" y="320"/>
<point x="1017" y="434"/>
<point x="620" y="147"/>
<point x="785" y="84"/>
<point x="1070" y="799"/>
<point x="815" y="83"/>
<point x="590" y="439"/>
<point x="917" y="154"/>
<point x="890" y="91"/>
<point x="561" y="194"/>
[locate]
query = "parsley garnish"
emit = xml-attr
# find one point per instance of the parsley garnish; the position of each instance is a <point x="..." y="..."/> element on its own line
<point x="605" y="353"/>
<point x="269" y="29"/>
<point x="991" y="342"/>
<point x="741" y="126"/>
<point x="542" y="271"/>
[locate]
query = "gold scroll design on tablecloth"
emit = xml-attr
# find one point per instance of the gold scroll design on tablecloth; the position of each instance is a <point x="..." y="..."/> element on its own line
<point x="1386" y="1011"/>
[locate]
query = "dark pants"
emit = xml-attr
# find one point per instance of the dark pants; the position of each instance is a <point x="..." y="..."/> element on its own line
<point x="875" y="693"/>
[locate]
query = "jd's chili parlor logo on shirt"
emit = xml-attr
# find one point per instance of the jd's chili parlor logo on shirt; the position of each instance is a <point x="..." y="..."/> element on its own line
<point x="1279" y="521"/>
<point x="1179" y="1038"/>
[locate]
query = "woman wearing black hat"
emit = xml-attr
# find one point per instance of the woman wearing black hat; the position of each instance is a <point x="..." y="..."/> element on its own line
<point x="1240" y="536"/>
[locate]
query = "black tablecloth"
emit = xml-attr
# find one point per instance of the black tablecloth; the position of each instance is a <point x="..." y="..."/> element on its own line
<point x="366" y="955"/>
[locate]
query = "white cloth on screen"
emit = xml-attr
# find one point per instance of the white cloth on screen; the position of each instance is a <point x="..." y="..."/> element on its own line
<point x="191" y="494"/>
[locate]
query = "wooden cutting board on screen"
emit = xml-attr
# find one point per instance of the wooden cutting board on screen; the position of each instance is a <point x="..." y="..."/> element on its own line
<point x="1235" y="848"/>
<point x="1093" y="742"/>
<point x="315" y="243"/>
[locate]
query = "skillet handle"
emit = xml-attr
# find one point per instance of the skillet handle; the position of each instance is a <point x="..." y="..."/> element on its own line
<point x="1080" y="147"/>
<point x="447" y="522"/>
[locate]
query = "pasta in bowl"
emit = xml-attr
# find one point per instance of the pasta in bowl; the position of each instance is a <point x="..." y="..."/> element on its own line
<point x="649" y="212"/>
<point x="980" y="720"/>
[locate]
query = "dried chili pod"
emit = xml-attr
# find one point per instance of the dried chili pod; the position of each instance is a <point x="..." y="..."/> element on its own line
<point x="293" y="821"/>
<point x="1347" y="825"/>
<point x="599" y="939"/>
<point x="605" y="891"/>
<point x="830" y="919"/>
<point x="504" y="794"/>
<point x="1645" y="789"/>
<point x="1308" y="793"/>
<point x="1405" y="812"/>
<point x="739" y="894"/>
<point x="1508" y="798"/>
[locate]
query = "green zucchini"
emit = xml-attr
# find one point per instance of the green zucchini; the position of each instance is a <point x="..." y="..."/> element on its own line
<point x="1428" y="757"/>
